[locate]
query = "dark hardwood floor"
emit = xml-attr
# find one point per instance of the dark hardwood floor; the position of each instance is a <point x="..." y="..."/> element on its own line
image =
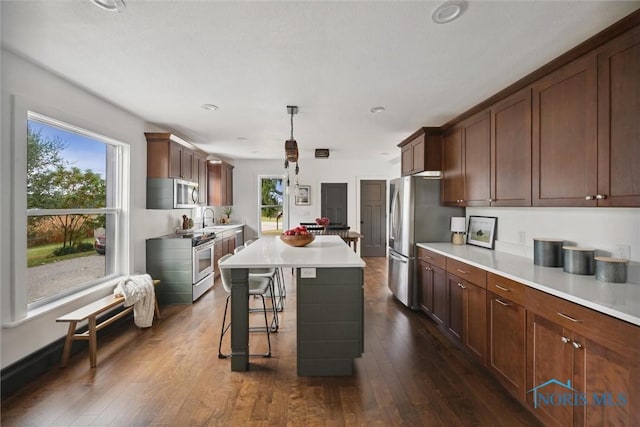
<point x="170" y="375"/>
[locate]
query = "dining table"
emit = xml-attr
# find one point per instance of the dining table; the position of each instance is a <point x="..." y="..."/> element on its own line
<point x="329" y="281"/>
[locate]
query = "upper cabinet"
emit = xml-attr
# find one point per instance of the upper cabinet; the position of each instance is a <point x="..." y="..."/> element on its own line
<point x="452" y="180"/>
<point x="476" y="164"/>
<point x="618" y="121"/>
<point x="167" y="158"/>
<point x="466" y="163"/>
<point x="564" y="136"/>
<point x="511" y="150"/>
<point x="421" y="151"/>
<point x="220" y="184"/>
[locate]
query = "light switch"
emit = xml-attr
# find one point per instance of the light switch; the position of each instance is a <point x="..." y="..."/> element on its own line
<point x="308" y="273"/>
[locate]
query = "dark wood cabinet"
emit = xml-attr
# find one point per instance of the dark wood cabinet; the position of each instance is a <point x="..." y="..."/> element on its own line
<point x="564" y="136"/>
<point x="167" y="158"/>
<point x="476" y="160"/>
<point x="618" y="115"/>
<point x="466" y="306"/>
<point x="506" y="333"/>
<point x="220" y="186"/>
<point x="511" y="150"/>
<point x="421" y="151"/>
<point x="466" y="163"/>
<point x="452" y="178"/>
<point x="201" y="175"/>
<point x="594" y="356"/>
<point x="432" y="283"/>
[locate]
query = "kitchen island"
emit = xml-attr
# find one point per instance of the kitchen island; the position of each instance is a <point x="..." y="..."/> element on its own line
<point x="330" y="297"/>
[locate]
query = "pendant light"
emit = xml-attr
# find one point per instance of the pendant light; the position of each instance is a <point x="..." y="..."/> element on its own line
<point x="291" y="147"/>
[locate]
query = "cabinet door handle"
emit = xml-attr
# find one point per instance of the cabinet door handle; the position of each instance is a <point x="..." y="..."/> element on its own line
<point x="490" y="200"/>
<point x="569" y="318"/>
<point x="462" y="286"/>
<point x="427" y="256"/>
<point x="502" y="288"/>
<point x="589" y="197"/>
<point x="576" y="345"/>
<point x="565" y="340"/>
<point x="601" y="196"/>
<point x="502" y="302"/>
<point x="461" y="271"/>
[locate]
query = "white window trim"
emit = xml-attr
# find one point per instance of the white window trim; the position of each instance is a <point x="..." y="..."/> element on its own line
<point x="285" y="200"/>
<point x="14" y="307"/>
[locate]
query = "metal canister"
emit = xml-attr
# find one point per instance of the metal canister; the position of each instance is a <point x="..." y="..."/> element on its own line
<point x="578" y="260"/>
<point x="547" y="252"/>
<point x="611" y="269"/>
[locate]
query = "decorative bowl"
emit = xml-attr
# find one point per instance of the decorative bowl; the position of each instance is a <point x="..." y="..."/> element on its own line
<point x="297" y="240"/>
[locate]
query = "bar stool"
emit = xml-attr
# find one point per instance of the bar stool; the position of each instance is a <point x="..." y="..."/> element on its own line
<point x="265" y="273"/>
<point x="275" y="273"/>
<point x="258" y="286"/>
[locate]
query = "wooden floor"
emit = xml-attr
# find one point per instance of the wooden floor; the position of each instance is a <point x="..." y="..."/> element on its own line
<point x="170" y="375"/>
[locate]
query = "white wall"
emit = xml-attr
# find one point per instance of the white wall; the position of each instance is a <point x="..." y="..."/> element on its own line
<point x="313" y="172"/>
<point x="598" y="228"/>
<point x="25" y="85"/>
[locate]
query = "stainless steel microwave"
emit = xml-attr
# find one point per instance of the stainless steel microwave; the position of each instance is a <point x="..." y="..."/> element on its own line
<point x="185" y="194"/>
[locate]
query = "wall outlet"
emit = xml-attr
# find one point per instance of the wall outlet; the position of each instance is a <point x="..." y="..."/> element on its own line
<point x="522" y="237"/>
<point x="622" y="252"/>
<point x="308" y="273"/>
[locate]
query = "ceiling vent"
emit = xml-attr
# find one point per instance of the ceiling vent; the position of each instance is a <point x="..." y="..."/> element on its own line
<point x="322" y="153"/>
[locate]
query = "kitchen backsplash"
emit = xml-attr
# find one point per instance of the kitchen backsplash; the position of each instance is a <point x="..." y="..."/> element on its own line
<point x="598" y="228"/>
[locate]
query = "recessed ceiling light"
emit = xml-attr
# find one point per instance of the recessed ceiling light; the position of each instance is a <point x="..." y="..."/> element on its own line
<point x="448" y="11"/>
<point x="241" y="138"/>
<point x="110" y="5"/>
<point x="376" y="110"/>
<point x="384" y="154"/>
<point x="210" y="107"/>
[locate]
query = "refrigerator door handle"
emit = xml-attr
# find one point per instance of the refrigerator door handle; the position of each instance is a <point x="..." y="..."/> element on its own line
<point x="397" y="258"/>
<point x="395" y="214"/>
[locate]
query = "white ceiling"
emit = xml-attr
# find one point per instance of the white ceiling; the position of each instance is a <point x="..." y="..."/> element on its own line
<point x="162" y="60"/>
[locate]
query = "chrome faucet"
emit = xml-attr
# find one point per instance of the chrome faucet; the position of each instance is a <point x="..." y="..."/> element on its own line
<point x="204" y="216"/>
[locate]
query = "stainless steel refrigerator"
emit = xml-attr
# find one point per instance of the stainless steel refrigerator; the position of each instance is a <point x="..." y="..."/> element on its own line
<point x="415" y="217"/>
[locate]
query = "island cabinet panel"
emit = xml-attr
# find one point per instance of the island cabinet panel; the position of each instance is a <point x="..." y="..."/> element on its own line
<point x="506" y="338"/>
<point x="477" y="160"/>
<point x="511" y="150"/>
<point x="564" y="136"/>
<point x="597" y="354"/>
<point x="618" y="128"/>
<point x="452" y="177"/>
<point x="330" y="315"/>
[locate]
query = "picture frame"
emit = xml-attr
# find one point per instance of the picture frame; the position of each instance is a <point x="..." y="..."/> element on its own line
<point x="303" y="195"/>
<point x="482" y="231"/>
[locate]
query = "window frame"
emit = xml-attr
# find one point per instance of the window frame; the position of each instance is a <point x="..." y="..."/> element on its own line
<point x="16" y="308"/>
<point x="285" y="200"/>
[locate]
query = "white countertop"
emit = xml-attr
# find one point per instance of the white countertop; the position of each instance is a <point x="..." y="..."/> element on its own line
<point x="619" y="300"/>
<point x="270" y="251"/>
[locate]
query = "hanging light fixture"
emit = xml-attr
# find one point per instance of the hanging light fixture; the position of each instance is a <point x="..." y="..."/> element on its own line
<point x="291" y="147"/>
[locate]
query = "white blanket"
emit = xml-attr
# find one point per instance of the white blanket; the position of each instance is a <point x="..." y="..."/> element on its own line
<point x="138" y="291"/>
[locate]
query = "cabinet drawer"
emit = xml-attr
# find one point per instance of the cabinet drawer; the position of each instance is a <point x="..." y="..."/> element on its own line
<point x="506" y="288"/>
<point x="585" y="321"/>
<point x="471" y="274"/>
<point x="432" y="258"/>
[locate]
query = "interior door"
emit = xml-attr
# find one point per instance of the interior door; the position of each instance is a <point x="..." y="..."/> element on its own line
<point x="373" y="217"/>
<point x="333" y="203"/>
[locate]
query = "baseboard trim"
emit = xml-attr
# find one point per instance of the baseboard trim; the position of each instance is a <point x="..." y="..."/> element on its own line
<point x="27" y="369"/>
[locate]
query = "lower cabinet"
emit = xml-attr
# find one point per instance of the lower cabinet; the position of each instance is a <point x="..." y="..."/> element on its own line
<point x="506" y="330"/>
<point x="570" y="365"/>
<point x="577" y="381"/>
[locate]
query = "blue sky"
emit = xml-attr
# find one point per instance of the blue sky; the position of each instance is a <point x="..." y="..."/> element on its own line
<point x="79" y="151"/>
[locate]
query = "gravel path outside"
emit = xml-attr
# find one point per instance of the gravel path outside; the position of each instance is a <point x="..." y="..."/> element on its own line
<point x="49" y="279"/>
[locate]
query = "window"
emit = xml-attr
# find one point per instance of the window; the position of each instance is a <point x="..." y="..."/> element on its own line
<point x="272" y="208"/>
<point x="74" y="208"/>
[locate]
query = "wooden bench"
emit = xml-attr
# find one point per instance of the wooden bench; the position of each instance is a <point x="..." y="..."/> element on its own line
<point x="90" y="312"/>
